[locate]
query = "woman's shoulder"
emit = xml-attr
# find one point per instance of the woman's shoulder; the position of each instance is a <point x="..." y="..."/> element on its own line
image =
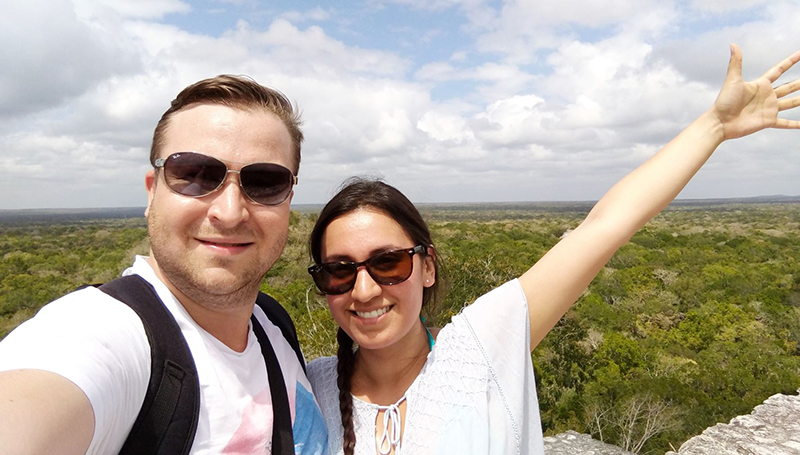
<point x="497" y="303"/>
<point x="322" y="372"/>
<point x="323" y="378"/>
<point x="322" y="362"/>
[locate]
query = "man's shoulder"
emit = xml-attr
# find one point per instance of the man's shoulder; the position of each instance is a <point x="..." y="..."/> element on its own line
<point x="86" y="301"/>
<point x="80" y="314"/>
<point x="278" y="326"/>
<point x="268" y="309"/>
<point x="81" y="336"/>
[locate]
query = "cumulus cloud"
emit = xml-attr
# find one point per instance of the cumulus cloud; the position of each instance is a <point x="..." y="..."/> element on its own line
<point x="143" y="9"/>
<point x="525" y="29"/>
<point x="772" y="35"/>
<point x="721" y="6"/>
<point x="50" y="56"/>
<point x="537" y="100"/>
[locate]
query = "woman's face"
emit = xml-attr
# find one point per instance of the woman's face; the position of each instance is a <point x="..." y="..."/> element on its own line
<point x="375" y="316"/>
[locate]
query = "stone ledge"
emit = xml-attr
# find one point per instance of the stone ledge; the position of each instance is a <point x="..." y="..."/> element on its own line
<point x="572" y="443"/>
<point x="773" y="428"/>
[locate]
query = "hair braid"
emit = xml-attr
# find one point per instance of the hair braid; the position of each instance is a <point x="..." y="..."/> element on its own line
<point x="344" y="368"/>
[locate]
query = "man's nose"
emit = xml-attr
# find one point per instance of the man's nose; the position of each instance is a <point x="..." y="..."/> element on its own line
<point x="230" y="205"/>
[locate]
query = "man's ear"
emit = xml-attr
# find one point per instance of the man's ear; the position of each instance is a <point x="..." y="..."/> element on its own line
<point x="150" y="185"/>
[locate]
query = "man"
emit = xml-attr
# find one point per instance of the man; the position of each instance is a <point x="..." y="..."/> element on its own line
<point x="73" y="378"/>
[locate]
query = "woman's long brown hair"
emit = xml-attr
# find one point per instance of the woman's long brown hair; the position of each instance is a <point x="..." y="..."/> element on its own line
<point x="358" y="193"/>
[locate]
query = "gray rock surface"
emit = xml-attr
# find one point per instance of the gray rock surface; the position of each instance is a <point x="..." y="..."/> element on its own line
<point x="574" y="443"/>
<point x="773" y="428"/>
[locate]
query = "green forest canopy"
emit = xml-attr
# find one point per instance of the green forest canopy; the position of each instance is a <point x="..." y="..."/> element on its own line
<point x="695" y="321"/>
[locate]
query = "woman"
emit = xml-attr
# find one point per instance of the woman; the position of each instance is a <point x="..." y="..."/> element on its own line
<point x="473" y="390"/>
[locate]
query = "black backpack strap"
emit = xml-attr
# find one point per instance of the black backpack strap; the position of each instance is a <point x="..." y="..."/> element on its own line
<point x="167" y="422"/>
<point x="282" y="437"/>
<point x="278" y="316"/>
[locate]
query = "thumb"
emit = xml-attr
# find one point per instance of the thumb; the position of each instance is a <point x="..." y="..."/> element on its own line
<point x="734" y="65"/>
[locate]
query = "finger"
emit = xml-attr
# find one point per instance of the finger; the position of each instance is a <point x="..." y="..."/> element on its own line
<point x="775" y="72"/>
<point x="787" y="124"/>
<point x="788" y="103"/>
<point x="787" y="88"/>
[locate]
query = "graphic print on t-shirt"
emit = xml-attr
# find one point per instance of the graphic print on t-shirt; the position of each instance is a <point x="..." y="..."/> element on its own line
<point x="310" y="434"/>
<point x="254" y="435"/>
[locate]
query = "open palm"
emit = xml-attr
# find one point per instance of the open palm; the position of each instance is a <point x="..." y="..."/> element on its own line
<point x="746" y="107"/>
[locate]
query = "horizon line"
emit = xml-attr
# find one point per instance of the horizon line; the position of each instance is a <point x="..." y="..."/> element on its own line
<point x="765" y="198"/>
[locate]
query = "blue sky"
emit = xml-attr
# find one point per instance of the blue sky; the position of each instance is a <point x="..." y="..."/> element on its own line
<point x="450" y="100"/>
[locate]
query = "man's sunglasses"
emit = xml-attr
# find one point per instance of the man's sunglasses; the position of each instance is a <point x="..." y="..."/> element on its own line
<point x="196" y="175"/>
<point x="391" y="267"/>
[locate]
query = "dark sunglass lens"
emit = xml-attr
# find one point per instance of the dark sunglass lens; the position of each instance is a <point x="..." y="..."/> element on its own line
<point x="320" y="278"/>
<point x="391" y="268"/>
<point x="334" y="278"/>
<point x="265" y="183"/>
<point x="193" y="174"/>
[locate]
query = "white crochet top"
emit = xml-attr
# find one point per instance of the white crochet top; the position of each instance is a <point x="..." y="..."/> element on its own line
<point x="474" y="395"/>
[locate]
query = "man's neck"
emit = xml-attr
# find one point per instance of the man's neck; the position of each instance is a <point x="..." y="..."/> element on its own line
<point x="228" y="324"/>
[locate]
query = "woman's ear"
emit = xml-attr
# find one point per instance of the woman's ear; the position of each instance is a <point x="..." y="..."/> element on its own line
<point x="429" y="268"/>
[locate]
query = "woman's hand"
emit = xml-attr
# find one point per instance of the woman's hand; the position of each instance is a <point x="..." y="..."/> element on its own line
<point x="746" y="107"/>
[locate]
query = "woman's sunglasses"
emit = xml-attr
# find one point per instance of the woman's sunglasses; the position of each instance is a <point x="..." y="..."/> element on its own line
<point x="195" y="175"/>
<point x="391" y="267"/>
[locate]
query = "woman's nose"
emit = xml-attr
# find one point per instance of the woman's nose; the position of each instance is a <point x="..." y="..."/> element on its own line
<point x="365" y="288"/>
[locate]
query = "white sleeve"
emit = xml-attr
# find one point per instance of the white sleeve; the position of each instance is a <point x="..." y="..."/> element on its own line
<point x="100" y="345"/>
<point x="499" y="321"/>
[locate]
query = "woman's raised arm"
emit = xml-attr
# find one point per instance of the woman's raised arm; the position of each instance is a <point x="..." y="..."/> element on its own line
<point x="556" y="281"/>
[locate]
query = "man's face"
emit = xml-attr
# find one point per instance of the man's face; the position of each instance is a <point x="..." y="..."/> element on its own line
<point x="215" y="249"/>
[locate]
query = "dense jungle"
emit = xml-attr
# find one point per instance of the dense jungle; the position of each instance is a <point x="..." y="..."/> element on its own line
<point x="694" y="321"/>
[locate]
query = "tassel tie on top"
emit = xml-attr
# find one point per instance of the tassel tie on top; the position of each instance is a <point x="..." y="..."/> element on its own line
<point x="392" y="428"/>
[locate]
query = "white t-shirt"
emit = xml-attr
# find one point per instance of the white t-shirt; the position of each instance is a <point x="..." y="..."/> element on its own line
<point x="100" y="344"/>
<point x="474" y="395"/>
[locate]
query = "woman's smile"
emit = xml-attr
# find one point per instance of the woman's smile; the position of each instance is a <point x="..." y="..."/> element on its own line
<point x="374" y="314"/>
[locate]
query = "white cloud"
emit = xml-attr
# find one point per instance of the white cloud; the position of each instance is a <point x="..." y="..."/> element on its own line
<point x="154" y="39"/>
<point x="60" y="171"/>
<point x="439" y="71"/>
<point x="539" y="102"/>
<point x="236" y="2"/>
<point x="522" y="15"/>
<point x="764" y="41"/>
<point x="525" y="28"/>
<point x="50" y="56"/>
<point x="458" y="56"/>
<point x="445" y="127"/>
<point x="435" y="4"/>
<point x="617" y="83"/>
<point x="313" y="51"/>
<point x="141" y="9"/>
<point x="725" y="6"/>
<point x="518" y="120"/>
